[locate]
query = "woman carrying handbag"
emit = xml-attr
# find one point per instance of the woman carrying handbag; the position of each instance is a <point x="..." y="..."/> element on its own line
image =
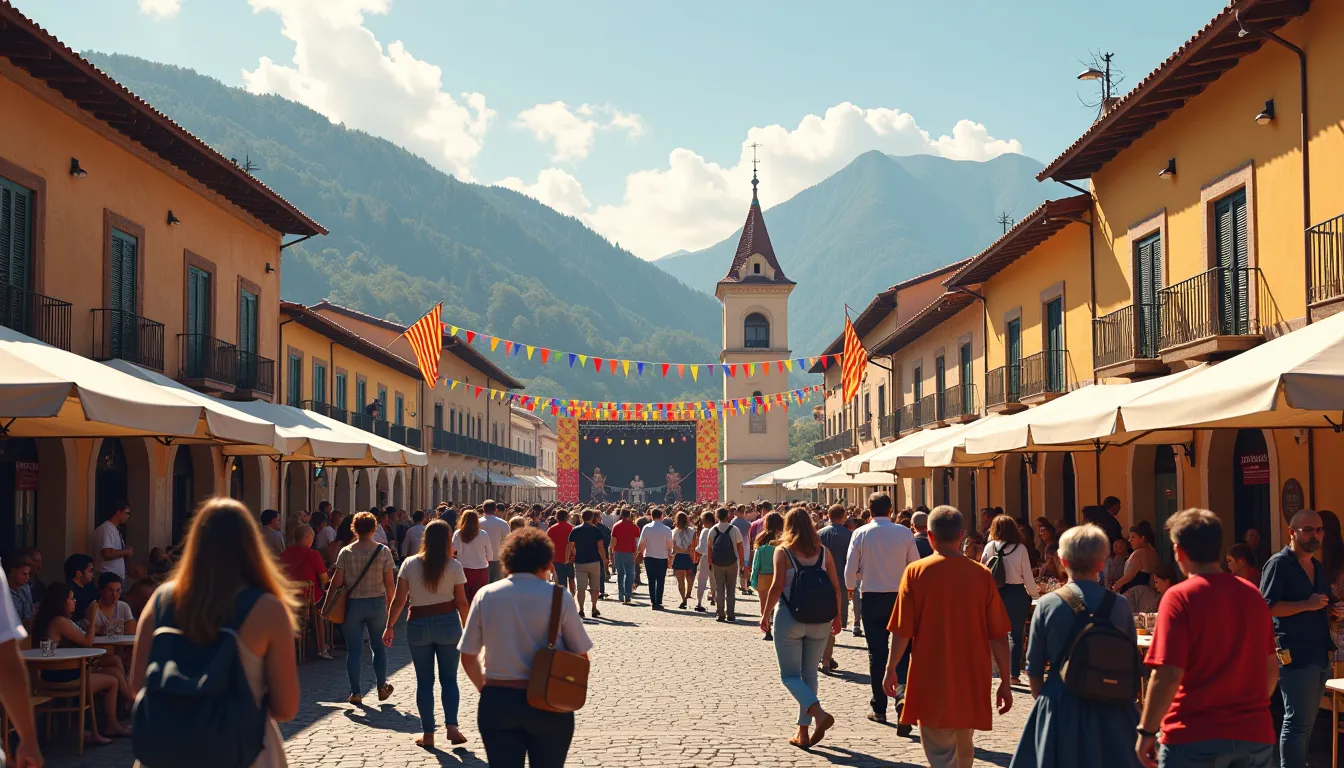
<point x="363" y="606"/>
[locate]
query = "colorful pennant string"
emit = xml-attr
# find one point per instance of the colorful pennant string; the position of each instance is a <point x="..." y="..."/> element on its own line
<point x="628" y="411"/>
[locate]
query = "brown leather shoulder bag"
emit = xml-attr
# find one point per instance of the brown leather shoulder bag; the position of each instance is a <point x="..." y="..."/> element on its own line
<point x="559" y="681"/>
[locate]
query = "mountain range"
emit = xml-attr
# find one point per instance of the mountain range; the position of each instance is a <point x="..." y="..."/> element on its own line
<point x="877" y="221"/>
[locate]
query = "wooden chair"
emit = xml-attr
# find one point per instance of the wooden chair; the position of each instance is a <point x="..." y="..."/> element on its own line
<point x="56" y="695"/>
<point x="301" y="636"/>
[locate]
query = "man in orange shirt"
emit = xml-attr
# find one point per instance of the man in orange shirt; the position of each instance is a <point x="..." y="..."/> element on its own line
<point x="953" y="605"/>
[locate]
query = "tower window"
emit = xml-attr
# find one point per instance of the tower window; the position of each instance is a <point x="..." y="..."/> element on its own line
<point x="756" y="331"/>
<point x="756" y="269"/>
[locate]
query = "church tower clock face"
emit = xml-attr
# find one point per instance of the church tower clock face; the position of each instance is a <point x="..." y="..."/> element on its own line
<point x="754" y="295"/>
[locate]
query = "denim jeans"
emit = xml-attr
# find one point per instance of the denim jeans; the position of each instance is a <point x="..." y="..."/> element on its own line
<point x="513" y="731"/>
<point x="430" y="638"/>
<point x="1216" y="753"/>
<point x="625" y="575"/>
<point x="1017" y="603"/>
<point x="877" y="608"/>
<point x="798" y="648"/>
<point x="363" y="613"/>
<point x="657" y="569"/>
<point x="1302" y="689"/>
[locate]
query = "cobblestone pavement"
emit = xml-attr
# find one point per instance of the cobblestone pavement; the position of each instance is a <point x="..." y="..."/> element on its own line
<point x="672" y="689"/>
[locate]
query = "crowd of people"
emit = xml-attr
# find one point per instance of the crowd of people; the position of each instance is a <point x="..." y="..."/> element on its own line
<point x="945" y="605"/>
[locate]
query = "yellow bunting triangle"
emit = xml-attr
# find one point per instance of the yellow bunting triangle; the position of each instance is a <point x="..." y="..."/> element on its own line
<point x="583" y="360"/>
<point x="788" y="364"/>
<point x="695" y="373"/>
<point x="454" y="385"/>
<point x="494" y="342"/>
<point x="530" y="350"/>
<point x="452" y="330"/>
<point x="609" y="441"/>
<point x="625" y="366"/>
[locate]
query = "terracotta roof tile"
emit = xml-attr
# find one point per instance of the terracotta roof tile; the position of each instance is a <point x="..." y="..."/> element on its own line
<point x="755" y="239"/>
<point x="1033" y="229"/>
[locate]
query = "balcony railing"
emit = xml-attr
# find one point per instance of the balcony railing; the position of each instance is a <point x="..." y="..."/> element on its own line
<point x="32" y="314"/>
<point x="451" y="442"/>
<point x="317" y="406"/>
<point x="119" y="335"/>
<point x="1218" y="302"/>
<point x="398" y="433"/>
<point x="204" y="358"/>
<point x="959" y="401"/>
<point x="1003" y="385"/>
<point x="1327" y="260"/>
<point x="930" y="409"/>
<point x="836" y="442"/>
<point x="890" y="425"/>
<point x="1045" y="373"/>
<point x="866" y="430"/>
<point x="256" y="373"/>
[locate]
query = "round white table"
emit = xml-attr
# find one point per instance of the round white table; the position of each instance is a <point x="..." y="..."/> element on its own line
<point x="34" y="655"/>
<point x="1145" y="642"/>
<point x="111" y="641"/>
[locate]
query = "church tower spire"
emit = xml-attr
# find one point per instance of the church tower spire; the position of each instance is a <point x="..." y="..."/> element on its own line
<point x="755" y="299"/>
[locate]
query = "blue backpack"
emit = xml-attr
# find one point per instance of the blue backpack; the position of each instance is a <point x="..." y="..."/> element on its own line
<point x="197" y="708"/>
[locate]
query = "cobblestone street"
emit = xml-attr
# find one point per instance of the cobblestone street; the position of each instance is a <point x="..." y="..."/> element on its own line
<point x="669" y="689"/>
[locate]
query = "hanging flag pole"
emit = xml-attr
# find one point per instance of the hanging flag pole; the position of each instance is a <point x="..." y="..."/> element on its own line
<point x="426" y="338"/>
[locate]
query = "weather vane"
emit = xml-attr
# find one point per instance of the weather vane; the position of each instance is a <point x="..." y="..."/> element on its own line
<point x="754" y="146"/>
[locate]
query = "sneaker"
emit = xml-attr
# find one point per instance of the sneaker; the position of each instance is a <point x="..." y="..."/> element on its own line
<point x="683" y="605"/>
<point x="858" y="632"/>
<point x="720" y="619"/>
<point x="355" y="699"/>
<point x="384" y="692"/>
<point x="581" y="616"/>
<point x="768" y="636"/>
<point x="596" y="614"/>
<point x="698" y="608"/>
<point x="732" y="619"/>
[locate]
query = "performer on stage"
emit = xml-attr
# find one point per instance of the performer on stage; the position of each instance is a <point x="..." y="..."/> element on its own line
<point x="599" y="485"/>
<point x="636" y="491"/>
<point x="673" y="485"/>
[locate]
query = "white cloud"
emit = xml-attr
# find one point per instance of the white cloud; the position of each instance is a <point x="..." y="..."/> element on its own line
<point x="693" y="202"/>
<point x="572" y="131"/>
<point x="164" y="9"/>
<point x="342" y="71"/>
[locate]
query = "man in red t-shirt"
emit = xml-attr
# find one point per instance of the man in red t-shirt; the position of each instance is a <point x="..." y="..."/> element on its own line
<point x="304" y="565"/>
<point x="624" y="537"/>
<point x="561" y="566"/>
<point x="1213" y="660"/>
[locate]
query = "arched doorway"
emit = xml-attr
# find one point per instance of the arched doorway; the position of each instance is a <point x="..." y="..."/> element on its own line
<point x="237" y="479"/>
<point x="362" y="485"/>
<point x="399" y="489"/>
<point x="1250" y="488"/>
<point x="384" y="488"/>
<point x="340" y="497"/>
<point x="184" y="490"/>
<point x="1165" y="501"/>
<point x="1016" y="487"/>
<point x="946" y="486"/>
<point x="295" y="488"/>
<point x="111" y="479"/>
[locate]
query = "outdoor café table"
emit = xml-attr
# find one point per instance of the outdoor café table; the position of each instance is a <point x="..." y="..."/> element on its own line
<point x="1144" y="642"/>
<point x="35" y="657"/>
<point x="113" y="641"/>
<point x="1335" y="689"/>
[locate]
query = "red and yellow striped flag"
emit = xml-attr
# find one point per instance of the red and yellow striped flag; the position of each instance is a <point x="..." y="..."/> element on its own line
<point x="855" y="358"/>
<point x="426" y="338"/>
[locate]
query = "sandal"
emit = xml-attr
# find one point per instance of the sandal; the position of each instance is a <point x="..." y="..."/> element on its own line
<point x="355" y="699"/>
<point x="458" y="739"/>
<point x="824" y="723"/>
<point x="384" y="692"/>
<point x="801" y="744"/>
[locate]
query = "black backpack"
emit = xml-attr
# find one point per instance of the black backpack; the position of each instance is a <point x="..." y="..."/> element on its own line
<point x="998" y="565"/>
<point x="811" y="597"/>
<point x="1102" y="663"/>
<point x="197" y="709"/>
<point x="721" y="549"/>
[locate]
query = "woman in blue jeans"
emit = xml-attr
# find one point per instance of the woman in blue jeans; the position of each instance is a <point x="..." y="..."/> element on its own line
<point x="366" y="567"/>
<point x="799" y="646"/>
<point x="435" y="585"/>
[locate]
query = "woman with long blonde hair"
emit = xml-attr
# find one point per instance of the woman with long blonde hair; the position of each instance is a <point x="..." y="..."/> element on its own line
<point x="226" y="579"/>
<point x="474" y="552"/>
<point x="763" y="558"/>
<point x="799" y="645"/>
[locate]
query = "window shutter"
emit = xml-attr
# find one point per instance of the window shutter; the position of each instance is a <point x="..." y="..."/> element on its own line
<point x="1241" y="276"/>
<point x="15" y="211"/>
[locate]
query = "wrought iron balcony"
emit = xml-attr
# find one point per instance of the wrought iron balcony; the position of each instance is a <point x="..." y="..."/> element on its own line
<point x="1127" y="342"/>
<point x="450" y="442"/>
<point x="866" y="430"/>
<point x="837" y="442"/>
<point x="1327" y="261"/>
<point x="207" y="363"/>
<point x="1214" y="313"/>
<point x="32" y="314"/>
<point x="890" y="425"/>
<point x="908" y="417"/>
<point x="1045" y="373"/>
<point x="326" y="409"/>
<point x="1003" y="387"/>
<point x="959" y="403"/>
<point x="930" y="409"/>
<point x="256" y="375"/>
<point x="119" y="335"/>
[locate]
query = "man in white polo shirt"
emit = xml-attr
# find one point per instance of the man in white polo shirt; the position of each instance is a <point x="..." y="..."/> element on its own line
<point x="655" y="545"/>
<point x="109" y="548"/>
<point x="496" y="528"/>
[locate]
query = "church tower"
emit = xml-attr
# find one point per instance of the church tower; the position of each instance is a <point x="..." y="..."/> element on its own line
<point x="755" y="299"/>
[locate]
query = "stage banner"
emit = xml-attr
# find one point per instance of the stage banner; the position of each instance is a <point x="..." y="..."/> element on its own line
<point x="567" y="460"/>
<point x="706" y="460"/>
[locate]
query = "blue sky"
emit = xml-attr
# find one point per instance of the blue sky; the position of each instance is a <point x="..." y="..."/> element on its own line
<point x="635" y="116"/>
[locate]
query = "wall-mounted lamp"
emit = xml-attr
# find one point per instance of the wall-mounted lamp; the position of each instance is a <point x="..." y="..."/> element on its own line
<point x="269" y="268"/>
<point x="173" y="221"/>
<point x="1170" y="170"/>
<point x="1266" y="115"/>
<point x="75" y="170"/>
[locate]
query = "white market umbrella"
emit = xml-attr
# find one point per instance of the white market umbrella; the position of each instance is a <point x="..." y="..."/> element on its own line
<point x="794" y="471"/>
<point x="1296" y="380"/>
<point x="908" y="452"/>
<point x="862" y="480"/>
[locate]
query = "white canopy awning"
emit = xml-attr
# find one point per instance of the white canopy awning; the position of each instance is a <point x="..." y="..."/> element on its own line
<point x="494" y="478"/>
<point x="247" y="433"/>
<point x="1083" y="419"/>
<point x="780" y="476"/>
<point x="810" y="482"/>
<point x="48" y="392"/>
<point x="331" y="441"/>
<point x="949" y="450"/>
<point x="1296" y="380"/>
<point x="907" y="453"/>
<point x="863" y="480"/>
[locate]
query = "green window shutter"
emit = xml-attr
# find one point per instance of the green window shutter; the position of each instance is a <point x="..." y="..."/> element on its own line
<point x="1148" y="267"/>
<point x="247" y="322"/>
<point x="16" y="205"/>
<point x="340" y="392"/>
<point x="401" y="405"/>
<point x="1233" y="260"/>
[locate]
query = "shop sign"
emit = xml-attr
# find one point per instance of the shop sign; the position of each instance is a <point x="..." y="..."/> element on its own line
<point x="1293" y="499"/>
<point x="25" y="475"/>
<point x="1254" y="468"/>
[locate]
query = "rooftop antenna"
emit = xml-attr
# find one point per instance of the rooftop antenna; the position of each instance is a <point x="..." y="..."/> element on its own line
<point x="754" y="146"/>
<point x="1100" y="69"/>
<point x="1005" y="221"/>
<point x="248" y="166"/>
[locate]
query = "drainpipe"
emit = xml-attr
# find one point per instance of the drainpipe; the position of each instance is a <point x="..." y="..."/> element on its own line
<point x="1306" y="214"/>
<point x="1091" y="271"/>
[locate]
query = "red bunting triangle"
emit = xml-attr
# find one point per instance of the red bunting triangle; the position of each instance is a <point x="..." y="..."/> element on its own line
<point x="508" y="347"/>
<point x="665" y="367"/>
<point x="471" y="336"/>
<point x="478" y="391"/>
<point x="780" y="363"/>
<point x="597" y="364"/>
<point x="732" y="371"/>
<point x="681" y="371"/>
<point x="545" y="353"/>
<point x="824" y="363"/>
<point x="612" y="365"/>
